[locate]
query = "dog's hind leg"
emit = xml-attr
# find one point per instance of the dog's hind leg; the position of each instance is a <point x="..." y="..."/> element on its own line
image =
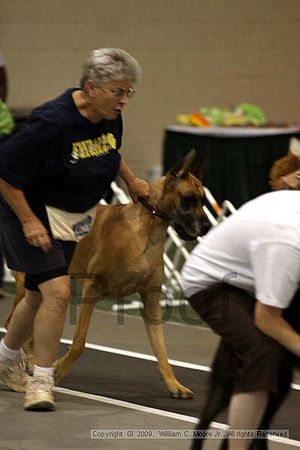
<point x="19" y="293"/>
<point x="216" y="400"/>
<point x="28" y="346"/>
<point x="275" y="401"/>
<point x="218" y="393"/>
<point x="153" y="319"/>
<point x="224" y="369"/>
<point x="90" y="294"/>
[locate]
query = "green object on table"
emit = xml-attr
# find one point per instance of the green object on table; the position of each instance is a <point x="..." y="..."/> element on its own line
<point x="253" y="114"/>
<point x="216" y="115"/>
<point x="6" y="120"/>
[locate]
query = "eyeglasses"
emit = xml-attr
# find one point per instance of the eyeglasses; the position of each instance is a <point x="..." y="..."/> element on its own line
<point x="119" y="92"/>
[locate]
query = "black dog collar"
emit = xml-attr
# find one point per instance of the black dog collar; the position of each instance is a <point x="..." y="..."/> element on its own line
<point x="155" y="211"/>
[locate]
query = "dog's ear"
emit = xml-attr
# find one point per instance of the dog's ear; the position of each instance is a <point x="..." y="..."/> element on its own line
<point x="198" y="170"/>
<point x="185" y="165"/>
<point x="294" y="147"/>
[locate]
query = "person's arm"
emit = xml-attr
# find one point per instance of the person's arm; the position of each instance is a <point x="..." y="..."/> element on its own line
<point x="136" y="186"/>
<point x="33" y="229"/>
<point x="269" y="320"/>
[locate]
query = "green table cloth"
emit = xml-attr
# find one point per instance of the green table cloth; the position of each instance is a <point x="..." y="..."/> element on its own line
<point x="237" y="160"/>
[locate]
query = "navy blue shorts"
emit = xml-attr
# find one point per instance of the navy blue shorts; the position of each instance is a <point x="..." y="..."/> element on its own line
<point x="20" y="256"/>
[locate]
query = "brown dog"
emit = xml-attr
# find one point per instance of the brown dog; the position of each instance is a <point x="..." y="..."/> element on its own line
<point x="124" y="254"/>
<point x="283" y="175"/>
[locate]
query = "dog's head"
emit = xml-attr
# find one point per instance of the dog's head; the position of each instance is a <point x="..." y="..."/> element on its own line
<point x="184" y="198"/>
<point x="285" y="172"/>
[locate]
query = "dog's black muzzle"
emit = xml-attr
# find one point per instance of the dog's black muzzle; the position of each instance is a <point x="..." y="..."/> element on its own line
<point x="186" y="235"/>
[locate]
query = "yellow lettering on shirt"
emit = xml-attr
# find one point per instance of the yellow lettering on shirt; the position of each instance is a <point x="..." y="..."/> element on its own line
<point x="92" y="148"/>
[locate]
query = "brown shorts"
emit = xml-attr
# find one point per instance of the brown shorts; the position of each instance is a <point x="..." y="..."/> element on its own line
<point x="252" y="359"/>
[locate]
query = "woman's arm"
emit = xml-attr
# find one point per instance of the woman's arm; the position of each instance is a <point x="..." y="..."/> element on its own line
<point x="33" y="229"/>
<point x="269" y="320"/>
<point x="136" y="186"/>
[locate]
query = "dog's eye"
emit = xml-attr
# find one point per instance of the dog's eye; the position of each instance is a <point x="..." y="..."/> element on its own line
<point x="190" y="201"/>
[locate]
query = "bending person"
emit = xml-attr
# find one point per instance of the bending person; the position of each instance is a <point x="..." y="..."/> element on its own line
<point x="62" y="160"/>
<point x="240" y="279"/>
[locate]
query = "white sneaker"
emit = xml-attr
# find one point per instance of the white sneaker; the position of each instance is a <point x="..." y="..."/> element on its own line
<point x="13" y="374"/>
<point x="39" y="394"/>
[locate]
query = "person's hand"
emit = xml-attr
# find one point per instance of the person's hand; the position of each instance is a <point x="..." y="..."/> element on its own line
<point x="138" y="188"/>
<point x="36" y="234"/>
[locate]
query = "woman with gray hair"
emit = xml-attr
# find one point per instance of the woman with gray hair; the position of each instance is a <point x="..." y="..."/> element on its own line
<point x="109" y="64"/>
<point x="53" y="172"/>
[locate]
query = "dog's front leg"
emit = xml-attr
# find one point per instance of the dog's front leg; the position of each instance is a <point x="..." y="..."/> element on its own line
<point x="153" y="319"/>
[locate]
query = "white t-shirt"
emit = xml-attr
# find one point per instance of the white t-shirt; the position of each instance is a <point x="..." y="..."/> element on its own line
<point x="256" y="249"/>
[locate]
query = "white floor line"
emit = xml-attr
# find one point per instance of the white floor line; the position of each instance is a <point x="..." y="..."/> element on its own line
<point x="124" y="404"/>
<point x="118" y="351"/>
<point x="158" y="412"/>
<point x="173" y="362"/>
<point x="144" y="356"/>
<point x="148" y="409"/>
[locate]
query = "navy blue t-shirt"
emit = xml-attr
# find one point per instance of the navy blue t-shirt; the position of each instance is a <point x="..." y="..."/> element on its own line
<point x="60" y="158"/>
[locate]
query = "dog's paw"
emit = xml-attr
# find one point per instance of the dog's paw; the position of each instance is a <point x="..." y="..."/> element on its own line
<point x="58" y="372"/>
<point x="181" y="392"/>
<point x="27" y="361"/>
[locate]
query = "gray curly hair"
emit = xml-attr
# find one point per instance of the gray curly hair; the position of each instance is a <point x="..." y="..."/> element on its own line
<point x="107" y="64"/>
